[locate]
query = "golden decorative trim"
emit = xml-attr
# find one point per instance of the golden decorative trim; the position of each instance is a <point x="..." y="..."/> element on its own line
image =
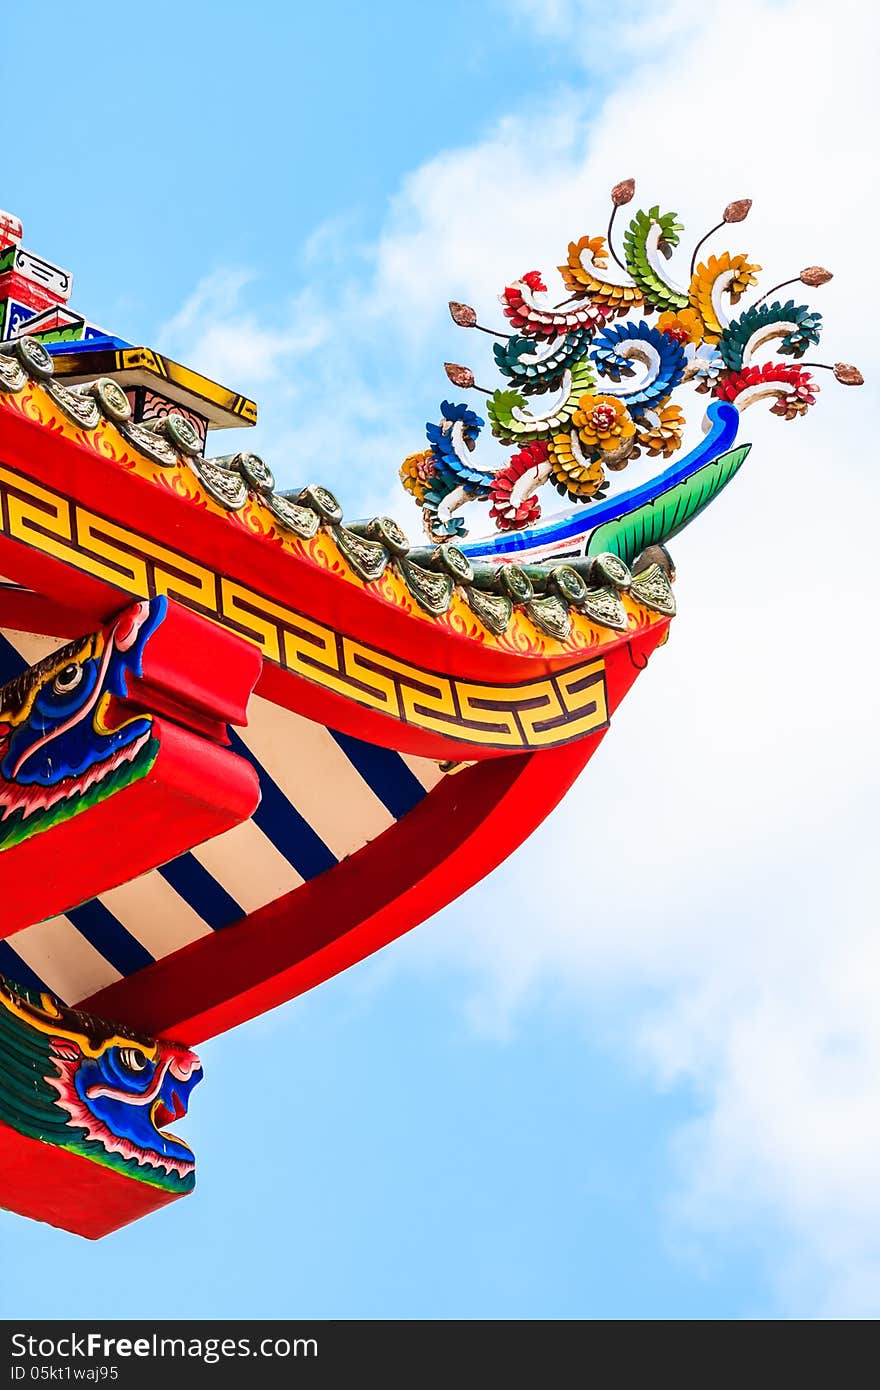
<point x="538" y="713"/>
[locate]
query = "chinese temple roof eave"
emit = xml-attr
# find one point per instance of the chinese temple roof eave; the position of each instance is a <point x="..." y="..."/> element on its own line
<point x="554" y="611"/>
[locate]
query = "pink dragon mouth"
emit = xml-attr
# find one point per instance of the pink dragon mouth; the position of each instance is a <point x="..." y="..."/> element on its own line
<point x="29" y="799"/>
<point x="163" y="1116"/>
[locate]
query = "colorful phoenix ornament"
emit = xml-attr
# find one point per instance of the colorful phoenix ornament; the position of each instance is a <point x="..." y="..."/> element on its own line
<point x="589" y="381"/>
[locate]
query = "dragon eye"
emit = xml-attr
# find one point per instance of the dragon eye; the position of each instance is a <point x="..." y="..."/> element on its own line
<point x="131" y="1058"/>
<point x="66" y="680"/>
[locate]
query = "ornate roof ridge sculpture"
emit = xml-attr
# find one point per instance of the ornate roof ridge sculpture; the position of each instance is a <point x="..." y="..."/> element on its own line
<point x="550" y="595"/>
<point x="244" y="744"/>
<point x="611" y="373"/>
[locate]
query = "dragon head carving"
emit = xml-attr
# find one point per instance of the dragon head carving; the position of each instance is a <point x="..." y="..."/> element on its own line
<point x="66" y="733"/>
<point x="94" y="1089"/>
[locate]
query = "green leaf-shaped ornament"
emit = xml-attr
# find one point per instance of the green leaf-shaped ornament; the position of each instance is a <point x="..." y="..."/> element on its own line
<point x="655" y="522"/>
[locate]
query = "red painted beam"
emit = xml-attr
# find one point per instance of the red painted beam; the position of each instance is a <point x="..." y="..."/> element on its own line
<point x="24" y="610"/>
<point x="191" y="680"/>
<point x="194" y="791"/>
<point x="47" y="1183"/>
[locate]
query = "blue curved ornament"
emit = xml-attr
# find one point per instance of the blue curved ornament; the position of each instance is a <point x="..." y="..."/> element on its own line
<point x="452" y="470"/>
<point x="610" y="361"/>
<point x="576" y="528"/>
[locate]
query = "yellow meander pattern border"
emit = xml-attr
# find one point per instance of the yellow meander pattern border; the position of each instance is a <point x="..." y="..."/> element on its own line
<point x="535" y="714"/>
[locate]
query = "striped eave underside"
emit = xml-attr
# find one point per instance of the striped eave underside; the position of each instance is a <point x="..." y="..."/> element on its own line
<point x="324" y="795"/>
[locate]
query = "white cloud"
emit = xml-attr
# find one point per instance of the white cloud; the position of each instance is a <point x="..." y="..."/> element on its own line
<point x="717" y="859"/>
<point x="216" y="328"/>
<point x="597" y="33"/>
<point x="706" y="893"/>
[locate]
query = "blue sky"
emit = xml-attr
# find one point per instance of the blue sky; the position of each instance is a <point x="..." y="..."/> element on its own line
<point x="633" y="1073"/>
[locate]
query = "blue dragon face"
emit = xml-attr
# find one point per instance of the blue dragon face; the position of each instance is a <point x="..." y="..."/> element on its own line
<point x="108" y="1095"/>
<point x="131" y="1094"/>
<point x="64" y="724"/>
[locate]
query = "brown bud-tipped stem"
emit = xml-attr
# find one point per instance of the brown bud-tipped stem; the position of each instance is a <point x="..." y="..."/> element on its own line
<point x="614" y="254"/>
<point x="783" y="284"/>
<point x="847" y="374"/>
<point x="463" y="378"/>
<point x="459" y="375"/>
<point x="844" y="372"/>
<point x="814" y="276"/>
<point x="711" y="232"/>
<point x="622" y="193"/>
<point x="738" y="210"/>
<point x="466" y="317"/>
<point x="462" y="314"/>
